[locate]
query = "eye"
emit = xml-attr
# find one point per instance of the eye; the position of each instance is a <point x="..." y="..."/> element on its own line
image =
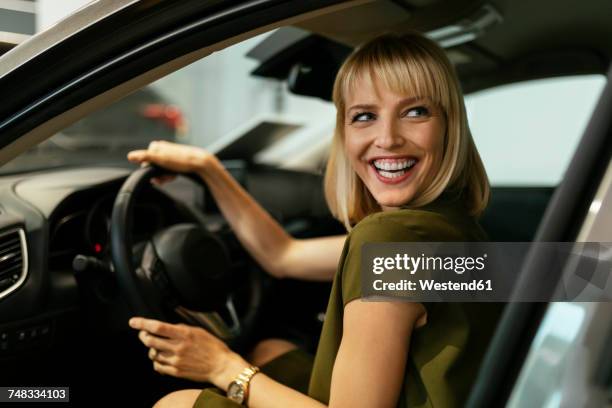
<point x="417" y="112"/>
<point x="362" y="117"/>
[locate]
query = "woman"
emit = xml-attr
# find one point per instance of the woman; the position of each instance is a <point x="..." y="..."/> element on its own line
<point x="403" y="167"/>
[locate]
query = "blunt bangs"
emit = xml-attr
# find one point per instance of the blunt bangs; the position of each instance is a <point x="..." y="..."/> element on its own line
<point x="402" y="71"/>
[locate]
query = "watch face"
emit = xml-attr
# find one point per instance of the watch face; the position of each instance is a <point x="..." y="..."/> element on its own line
<point x="235" y="392"/>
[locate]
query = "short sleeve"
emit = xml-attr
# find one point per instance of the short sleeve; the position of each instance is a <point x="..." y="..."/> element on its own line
<point x="377" y="228"/>
<point x="214" y="397"/>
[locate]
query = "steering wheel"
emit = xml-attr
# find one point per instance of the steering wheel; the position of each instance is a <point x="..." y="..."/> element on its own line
<point x="183" y="272"/>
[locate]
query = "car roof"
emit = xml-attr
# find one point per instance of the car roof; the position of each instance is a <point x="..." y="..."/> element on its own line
<point x="526" y="26"/>
<point x="539" y="36"/>
<point x="531" y="39"/>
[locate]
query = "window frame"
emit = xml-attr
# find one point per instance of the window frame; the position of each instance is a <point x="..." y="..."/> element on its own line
<point x="564" y="218"/>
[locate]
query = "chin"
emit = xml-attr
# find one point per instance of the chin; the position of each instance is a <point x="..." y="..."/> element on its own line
<point x="393" y="198"/>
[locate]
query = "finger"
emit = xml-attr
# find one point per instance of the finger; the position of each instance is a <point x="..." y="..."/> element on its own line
<point x="163" y="357"/>
<point x="156" y="327"/>
<point x="137" y="155"/>
<point x="155" y="145"/>
<point x="155" y="342"/>
<point x="162" y="179"/>
<point x="167" y="177"/>
<point x="165" y="369"/>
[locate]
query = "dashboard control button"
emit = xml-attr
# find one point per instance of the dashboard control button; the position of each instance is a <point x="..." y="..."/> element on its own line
<point x="21" y="335"/>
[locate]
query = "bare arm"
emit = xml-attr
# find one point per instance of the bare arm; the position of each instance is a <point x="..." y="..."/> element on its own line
<point x="368" y="371"/>
<point x="276" y="251"/>
<point x="193" y="353"/>
<point x="272" y="247"/>
<point x="379" y="334"/>
<point x="370" y="365"/>
<point x="264" y="392"/>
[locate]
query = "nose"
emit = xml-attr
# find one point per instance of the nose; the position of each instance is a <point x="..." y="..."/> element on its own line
<point x="389" y="136"/>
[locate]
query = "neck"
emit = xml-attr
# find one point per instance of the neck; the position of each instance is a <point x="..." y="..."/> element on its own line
<point x="385" y="208"/>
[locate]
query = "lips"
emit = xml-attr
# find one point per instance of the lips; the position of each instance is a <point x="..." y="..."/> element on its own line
<point x="393" y="170"/>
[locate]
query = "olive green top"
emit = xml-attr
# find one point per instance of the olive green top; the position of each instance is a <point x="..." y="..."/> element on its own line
<point x="445" y="353"/>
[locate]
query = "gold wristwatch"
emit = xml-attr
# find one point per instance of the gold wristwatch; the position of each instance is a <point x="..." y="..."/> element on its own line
<point x="238" y="390"/>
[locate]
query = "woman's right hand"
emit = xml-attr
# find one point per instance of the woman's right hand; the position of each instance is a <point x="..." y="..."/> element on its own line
<point x="173" y="156"/>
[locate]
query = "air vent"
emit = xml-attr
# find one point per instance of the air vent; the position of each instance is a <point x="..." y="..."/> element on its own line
<point x="13" y="261"/>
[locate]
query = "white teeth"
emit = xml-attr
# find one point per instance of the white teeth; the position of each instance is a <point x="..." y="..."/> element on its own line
<point x="388" y="165"/>
<point x="390" y="175"/>
<point x="390" y="168"/>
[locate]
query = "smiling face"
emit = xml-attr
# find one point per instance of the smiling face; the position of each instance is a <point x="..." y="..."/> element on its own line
<point x="394" y="142"/>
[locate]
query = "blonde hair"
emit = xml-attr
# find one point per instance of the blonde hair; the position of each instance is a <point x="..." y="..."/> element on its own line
<point x="407" y="65"/>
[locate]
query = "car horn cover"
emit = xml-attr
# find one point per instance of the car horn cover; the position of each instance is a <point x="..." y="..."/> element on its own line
<point x="197" y="266"/>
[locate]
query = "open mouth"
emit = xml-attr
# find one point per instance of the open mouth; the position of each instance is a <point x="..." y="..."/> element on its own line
<point x="393" y="170"/>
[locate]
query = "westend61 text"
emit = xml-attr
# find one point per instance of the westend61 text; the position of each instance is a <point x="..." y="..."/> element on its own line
<point x="430" y="284"/>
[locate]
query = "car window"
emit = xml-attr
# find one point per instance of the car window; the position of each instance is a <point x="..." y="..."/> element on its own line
<point x="541" y="381"/>
<point x="211" y="103"/>
<point x="527" y="132"/>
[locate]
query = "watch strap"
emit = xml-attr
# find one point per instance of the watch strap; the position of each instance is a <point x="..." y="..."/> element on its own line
<point x="243" y="380"/>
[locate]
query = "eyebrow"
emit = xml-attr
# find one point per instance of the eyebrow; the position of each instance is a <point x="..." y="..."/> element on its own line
<point x="405" y="101"/>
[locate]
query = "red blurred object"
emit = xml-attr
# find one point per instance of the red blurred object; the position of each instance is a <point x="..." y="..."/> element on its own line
<point x="170" y="115"/>
<point x="97" y="248"/>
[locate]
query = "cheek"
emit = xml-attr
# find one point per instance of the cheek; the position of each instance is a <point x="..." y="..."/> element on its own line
<point x="440" y="141"/>
<point x="432" y="140"/>
<point x="354" y="149"/>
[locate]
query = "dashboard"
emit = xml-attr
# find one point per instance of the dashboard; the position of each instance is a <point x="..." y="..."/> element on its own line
<point x="65" y="213"/>
<point x="58" y="215"/>
<point x="81" y="226"/>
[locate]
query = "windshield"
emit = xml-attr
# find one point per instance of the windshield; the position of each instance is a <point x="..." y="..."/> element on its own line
<point x="107" y="135"/>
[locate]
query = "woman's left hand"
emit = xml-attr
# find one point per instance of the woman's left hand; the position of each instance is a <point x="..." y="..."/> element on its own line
<point x="187" y="352"/>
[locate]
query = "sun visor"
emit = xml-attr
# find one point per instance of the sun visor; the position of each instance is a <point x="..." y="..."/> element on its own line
<point x="308" y="62"/>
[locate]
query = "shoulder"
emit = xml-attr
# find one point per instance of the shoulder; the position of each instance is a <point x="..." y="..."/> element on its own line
<point x="405" y="225"/>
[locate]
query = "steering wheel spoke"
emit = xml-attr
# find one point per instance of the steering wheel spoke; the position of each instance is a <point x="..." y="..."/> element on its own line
<point x="213" y="321"/>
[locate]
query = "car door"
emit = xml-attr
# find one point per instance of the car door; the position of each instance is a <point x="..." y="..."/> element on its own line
<point x="531" y="360"/>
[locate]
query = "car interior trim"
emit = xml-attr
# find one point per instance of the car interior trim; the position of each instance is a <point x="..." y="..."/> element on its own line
<point x="598" y="217"/>
<point x="467" y="29"/>
<point x="20" y="279"/>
